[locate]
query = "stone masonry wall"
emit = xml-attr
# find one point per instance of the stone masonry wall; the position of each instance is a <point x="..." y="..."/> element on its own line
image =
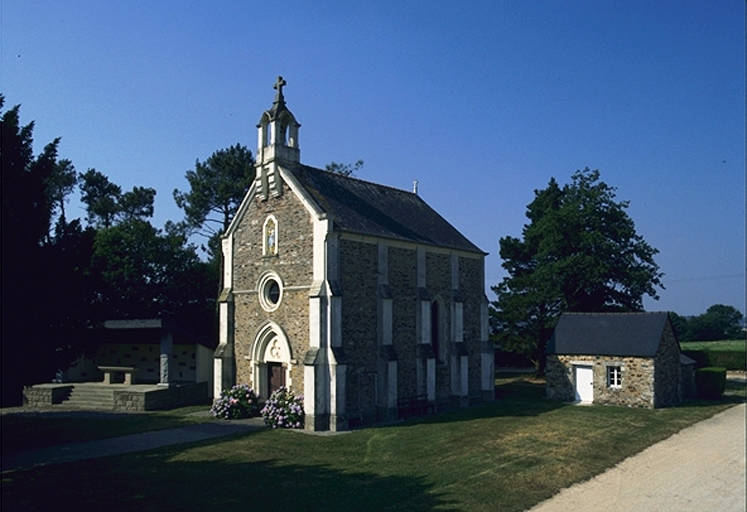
<point x="472" y="287"/>
<point x="559" y="379"/>
<point x="438" y="284"/>
<point x="403" y="284"/>
<point x="667" y="372"/>
<point x="637" y="386"/>
<point x="358" y="281"/>
<point x="293" y="264"/>
<point x="43" y="395"/>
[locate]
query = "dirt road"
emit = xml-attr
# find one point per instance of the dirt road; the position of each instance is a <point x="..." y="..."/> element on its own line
<point x="700" y="468"/>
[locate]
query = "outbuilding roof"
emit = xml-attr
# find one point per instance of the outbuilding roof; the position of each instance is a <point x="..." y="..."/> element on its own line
<point x="119" y="328"/>
<point x="366" y="208"/>
<point x="611" y="334"/>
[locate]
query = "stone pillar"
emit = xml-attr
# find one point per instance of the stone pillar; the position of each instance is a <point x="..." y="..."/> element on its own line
<point x="338" y="419"/>
<point x="337" y="365"/>
<point x="223" y="357"/>
<point x="167" y="344"/>
<point x="316" y="390"/>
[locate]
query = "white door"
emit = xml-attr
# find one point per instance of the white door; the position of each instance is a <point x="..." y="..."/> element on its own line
<point x="584" y="384"/>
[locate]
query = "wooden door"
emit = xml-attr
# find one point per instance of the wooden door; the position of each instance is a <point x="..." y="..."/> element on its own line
<point x="275" y="377"/>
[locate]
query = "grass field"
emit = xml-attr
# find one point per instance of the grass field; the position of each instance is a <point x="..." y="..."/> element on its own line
<point x="723" y="345"/>
<point x="506" y="456"/>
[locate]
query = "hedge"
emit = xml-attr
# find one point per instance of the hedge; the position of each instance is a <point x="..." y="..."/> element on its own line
<point x="730" y="359"/>
<point x="710" y="382"/>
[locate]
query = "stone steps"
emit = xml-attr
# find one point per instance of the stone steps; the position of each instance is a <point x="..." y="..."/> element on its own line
<point x="91" y="397"/>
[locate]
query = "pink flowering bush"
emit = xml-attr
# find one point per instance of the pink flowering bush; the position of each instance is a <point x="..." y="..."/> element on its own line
<point x="238" y="402"/>
<point x="283" y="409"/>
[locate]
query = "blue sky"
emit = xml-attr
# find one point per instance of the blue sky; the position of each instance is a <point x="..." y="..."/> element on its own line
<point x="481" y="102"/>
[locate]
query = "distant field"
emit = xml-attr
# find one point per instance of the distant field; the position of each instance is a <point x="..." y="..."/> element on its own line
<point x="718" y="346"/>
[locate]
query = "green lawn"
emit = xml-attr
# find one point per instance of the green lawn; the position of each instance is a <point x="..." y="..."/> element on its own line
<point x="506" y="456"/>
<point x="723" y="345"/>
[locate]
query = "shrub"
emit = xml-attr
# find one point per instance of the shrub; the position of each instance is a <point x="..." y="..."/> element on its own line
<point x="710" y="381"/>
<point x="238" y="402"/>
<point x="283" y="409"/>
<point x="730" y="359"/>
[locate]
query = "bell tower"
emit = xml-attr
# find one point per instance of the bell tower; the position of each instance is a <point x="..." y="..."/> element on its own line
<point x="277" y="145"/>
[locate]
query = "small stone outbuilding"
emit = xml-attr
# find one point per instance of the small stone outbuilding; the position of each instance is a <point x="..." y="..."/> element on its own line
<point x="357" y="295"/>
<point x="630" y="359"/>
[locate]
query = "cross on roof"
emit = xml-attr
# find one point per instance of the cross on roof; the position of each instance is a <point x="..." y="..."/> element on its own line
<point x="279" y="88"/>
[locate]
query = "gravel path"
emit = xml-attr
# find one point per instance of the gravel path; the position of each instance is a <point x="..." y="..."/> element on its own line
<point x="700" y="468"/>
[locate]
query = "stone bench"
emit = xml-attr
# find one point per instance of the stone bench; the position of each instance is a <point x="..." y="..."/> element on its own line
<point x="109" y="370"/>
<point x="416" y="405"/>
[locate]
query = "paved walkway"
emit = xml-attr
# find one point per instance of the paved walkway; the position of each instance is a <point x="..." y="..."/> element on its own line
<point x="700" y="468"/>
<point x="126" y="444"/>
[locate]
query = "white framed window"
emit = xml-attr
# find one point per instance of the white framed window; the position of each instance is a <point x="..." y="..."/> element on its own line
<point x="270" y="236"/>
<point x="270" y="289"/>
<point x="614" y="376"/>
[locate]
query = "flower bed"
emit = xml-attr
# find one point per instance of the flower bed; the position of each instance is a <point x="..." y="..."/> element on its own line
<point x="283" y="410"/>
<point x="238" y="402"/>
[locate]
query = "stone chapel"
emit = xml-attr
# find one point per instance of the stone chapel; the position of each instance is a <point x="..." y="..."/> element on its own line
<point x="353" y="294"/>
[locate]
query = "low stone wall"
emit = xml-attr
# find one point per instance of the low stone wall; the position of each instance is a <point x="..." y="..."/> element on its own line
<point x="43" y="395"/>
<point x="160" y="398"/>
<point x="125" y="398"/>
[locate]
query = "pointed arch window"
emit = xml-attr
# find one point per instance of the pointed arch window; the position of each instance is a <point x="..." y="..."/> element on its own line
<point x="270" y="237"/>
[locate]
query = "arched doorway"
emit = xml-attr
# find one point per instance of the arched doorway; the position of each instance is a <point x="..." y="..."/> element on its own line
<point x="271" y="360"/>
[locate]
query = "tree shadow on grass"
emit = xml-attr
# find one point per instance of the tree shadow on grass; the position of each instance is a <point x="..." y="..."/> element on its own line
<point x="158" y="481"/>
<point x="42" y="428"/>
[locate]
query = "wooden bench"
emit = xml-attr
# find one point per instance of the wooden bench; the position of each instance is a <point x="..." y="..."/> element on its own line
<point x="109" y="370"/>
<point x="416" y="405"/>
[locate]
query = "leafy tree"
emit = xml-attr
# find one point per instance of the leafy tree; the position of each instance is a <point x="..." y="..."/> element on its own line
<point x="217" y="187"/>
<point x="137" y="204"/>
<point x="344" y="169"/>
<point x="719" y="322"/>
<point x="55" y="285"/>
<point x="107" y="205"/>
<point x="101" y="198"/>
<point x="579" y="252"/>
<point x="60" y="184"/>
<point x="69" y="293"/>
<point x="145" y="273"/>
<point x="26" y="213"/>
<point x="679" y="325"/>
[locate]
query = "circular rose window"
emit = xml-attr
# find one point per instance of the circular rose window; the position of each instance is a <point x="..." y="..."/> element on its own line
<point x="270" y="291"/>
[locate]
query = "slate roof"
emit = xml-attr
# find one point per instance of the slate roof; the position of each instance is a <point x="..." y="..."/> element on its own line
<point x="366" y="208"/>
<point x="611" y="334"/>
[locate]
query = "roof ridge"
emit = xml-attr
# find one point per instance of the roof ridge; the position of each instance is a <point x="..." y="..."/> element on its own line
<point x="355" y="178"/>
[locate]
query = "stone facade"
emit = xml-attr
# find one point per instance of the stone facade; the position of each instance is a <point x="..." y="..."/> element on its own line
<point x="637" y="389"/>
<point x="333" y="288"/>
<point x="649" y="382"/>
<point x="292" y="264"/>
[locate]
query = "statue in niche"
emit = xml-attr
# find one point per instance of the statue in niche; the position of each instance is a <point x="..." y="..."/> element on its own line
<point x="270" y="237"/>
